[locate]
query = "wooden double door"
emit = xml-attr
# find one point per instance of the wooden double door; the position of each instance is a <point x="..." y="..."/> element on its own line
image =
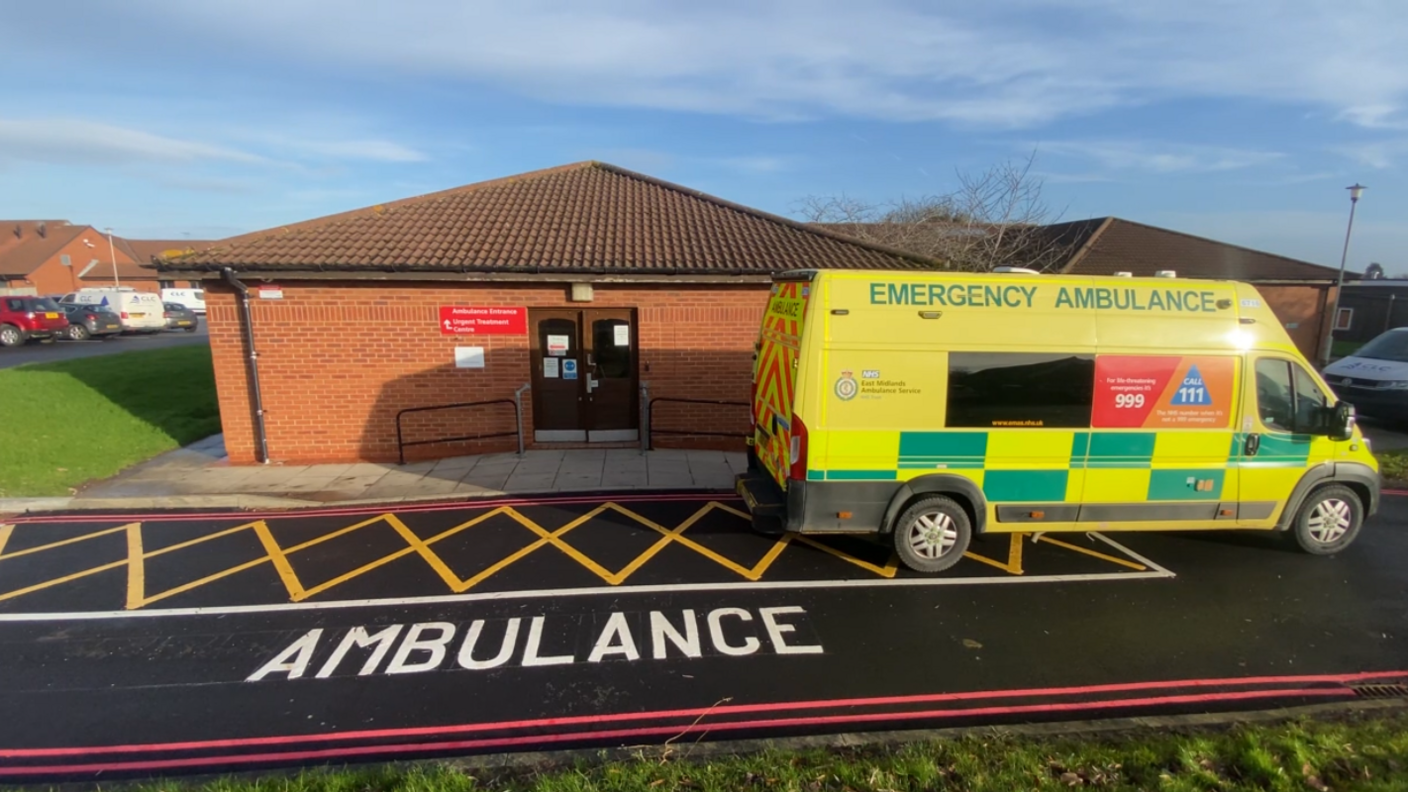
<point x="585" y="375"/>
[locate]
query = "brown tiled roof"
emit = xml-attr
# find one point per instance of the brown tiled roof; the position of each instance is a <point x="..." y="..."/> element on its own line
<point x="144" y="250"/>
<point x="588" y="217"/>
<point x="1106" y="245"/>
<point x="23" y="249"/>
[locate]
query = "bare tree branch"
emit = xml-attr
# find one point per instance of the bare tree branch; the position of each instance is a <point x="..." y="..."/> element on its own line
<point x="993" y="219"/>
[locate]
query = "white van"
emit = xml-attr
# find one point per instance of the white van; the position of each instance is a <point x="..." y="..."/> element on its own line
<point x="139" y="312"/>
<point x="193" y="299"/>
<point x="1375" y="377"/>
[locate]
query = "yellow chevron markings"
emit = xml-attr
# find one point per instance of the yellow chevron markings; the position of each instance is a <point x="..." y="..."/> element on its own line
<point x="281" y="558"/>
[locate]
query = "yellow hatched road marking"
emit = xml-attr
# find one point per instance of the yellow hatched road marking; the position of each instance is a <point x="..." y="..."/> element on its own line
<point x="75" y="540"/>
<point x="887" y="571"/>
<point x="1014" y="556"/>
<point x="1092" y="553"/>
<point x="136" y="567"/>
<point x="280" y="557"/>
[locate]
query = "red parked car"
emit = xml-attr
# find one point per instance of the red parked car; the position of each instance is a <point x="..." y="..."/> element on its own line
<point x="30" y="319"/>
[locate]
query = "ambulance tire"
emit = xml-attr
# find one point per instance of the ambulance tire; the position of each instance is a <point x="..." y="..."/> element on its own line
<point x="1328" y="520"/>
<point x="932" y="534"/>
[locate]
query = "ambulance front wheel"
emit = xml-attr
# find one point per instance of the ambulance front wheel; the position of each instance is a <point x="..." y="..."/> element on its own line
<point x="1329" y="520"/>
<point x="932" y="534"/>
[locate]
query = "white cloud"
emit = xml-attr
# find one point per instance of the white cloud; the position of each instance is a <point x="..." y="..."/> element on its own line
<point x="73" y="140"/>
<point x="370" y="150"/>
<point x="1030" y="62"/>
<point x="756" y="164"/>
<point x="83" y="141"/>
<point x="1133" y="155"/>
<point x="1378" y="154"/>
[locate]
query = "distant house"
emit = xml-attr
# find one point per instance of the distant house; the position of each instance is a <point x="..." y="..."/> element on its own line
<point x="1299" y="292"/>
<point x="57" y="257"/>
<point x="1370" y="307"/>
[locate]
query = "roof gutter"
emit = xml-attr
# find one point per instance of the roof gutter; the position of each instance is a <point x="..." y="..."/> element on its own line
<point x="260" y="435"/>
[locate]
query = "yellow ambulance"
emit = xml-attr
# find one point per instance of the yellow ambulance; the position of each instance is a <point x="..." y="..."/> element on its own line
<point x="927" y="407"/>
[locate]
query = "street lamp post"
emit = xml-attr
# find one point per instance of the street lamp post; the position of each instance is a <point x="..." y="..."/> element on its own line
<point x="112" y="254"/>
<point x="1355" y="190"/>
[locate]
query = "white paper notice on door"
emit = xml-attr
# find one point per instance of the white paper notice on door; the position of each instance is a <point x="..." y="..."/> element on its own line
<point x="557" y="345"/>
<point x="623" y="335"/>
<point x="550" y="368"/>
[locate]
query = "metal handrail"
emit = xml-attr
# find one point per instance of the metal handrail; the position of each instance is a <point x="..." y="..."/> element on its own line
<point x="401" y="444"/>
<point x="651" y="431"/>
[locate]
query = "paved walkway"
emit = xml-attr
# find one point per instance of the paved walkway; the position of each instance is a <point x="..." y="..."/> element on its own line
<point x="200" y="475"/>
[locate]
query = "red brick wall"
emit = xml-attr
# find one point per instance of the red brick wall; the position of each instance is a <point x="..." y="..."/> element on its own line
<point x="1305" y="307"/>
<point x="337" y="361"/>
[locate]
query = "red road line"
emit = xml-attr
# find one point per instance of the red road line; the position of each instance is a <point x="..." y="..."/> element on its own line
<point x="1341" y="679"/>
<point x="654" y="731"/>
<point x="314" y="511"/>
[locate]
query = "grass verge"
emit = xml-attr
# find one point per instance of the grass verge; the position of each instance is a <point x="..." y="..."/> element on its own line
<point x="1393" y="466"/>
<point x="65" y="423"/>
<point x="1369" y="753"/>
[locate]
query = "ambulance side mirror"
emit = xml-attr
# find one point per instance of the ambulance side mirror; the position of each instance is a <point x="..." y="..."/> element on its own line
<point x="1340" y="421"/>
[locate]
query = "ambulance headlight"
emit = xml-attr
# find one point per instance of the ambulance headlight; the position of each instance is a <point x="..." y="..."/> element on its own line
<point x="1394" y="385"/>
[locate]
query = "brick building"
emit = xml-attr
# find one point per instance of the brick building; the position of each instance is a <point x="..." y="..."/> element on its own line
<point x="56" y="257"/>
<point x="583" y="282"/>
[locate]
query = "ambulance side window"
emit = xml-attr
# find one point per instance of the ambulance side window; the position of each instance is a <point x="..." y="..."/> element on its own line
<point x="1273" y="395"/>
<point x="1020" y="390"/>
<point x="1310" y="401"/>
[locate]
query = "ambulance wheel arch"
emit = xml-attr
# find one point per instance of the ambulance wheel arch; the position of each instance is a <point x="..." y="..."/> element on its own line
<point x="962" y="490"/>
<point x="1360" y="479"/>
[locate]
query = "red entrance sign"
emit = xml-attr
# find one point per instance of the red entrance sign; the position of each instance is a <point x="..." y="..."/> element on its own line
<point x="479" y="320"/>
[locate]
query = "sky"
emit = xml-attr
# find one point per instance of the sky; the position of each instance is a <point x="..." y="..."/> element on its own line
<point x="1240" y="120"/>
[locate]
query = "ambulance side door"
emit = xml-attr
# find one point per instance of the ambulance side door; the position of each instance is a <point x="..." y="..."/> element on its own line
<point x="1276" y="446"/>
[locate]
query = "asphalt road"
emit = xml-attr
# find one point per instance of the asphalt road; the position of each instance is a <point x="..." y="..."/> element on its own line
<point x="168" y="643"/>
<point x="70" y="350"/>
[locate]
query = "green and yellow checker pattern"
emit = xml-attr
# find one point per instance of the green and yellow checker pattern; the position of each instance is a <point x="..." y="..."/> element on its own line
<point x="1090" y="466"/>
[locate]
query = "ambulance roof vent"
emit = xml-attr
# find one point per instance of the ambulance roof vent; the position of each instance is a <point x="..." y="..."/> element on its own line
<point x="1165" y="274"/>
<point x="1018" y="270"/>
<point x="1124" y="274"/>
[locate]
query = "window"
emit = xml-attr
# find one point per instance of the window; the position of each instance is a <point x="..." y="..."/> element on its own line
<point x="611" y="341"/>
<point x="14" y="304"/>
<point x="166" y="284"/>
<point x="1012" y="389"/>
<point x="1310" y="401"/>
<point x="1344" y="318"/>
<point x="1288" y="398"/>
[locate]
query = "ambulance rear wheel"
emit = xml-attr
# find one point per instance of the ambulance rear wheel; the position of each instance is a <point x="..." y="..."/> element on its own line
<point x="1329" y="520"/>
<point x="932" y="534"/>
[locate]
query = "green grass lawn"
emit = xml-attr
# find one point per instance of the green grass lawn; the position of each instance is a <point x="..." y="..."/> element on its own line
<point x="64" y="423"/>
<point x="1393" y="465"/>
<point x="1368" y="754"/>
<point x="1340" y="349"/>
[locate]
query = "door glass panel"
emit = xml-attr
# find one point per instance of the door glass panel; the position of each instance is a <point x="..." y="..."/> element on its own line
<point x="611" y="343"/>
<point x="1273" y="395"/>
<point x="557" y="338"/>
